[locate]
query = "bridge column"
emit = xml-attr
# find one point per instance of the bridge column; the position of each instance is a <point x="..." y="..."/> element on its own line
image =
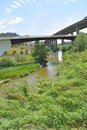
<point x="62" y="41"/>
<point x="55" y="45"/>
<point x="77" y="30"/>
<point x="71" y="33"/>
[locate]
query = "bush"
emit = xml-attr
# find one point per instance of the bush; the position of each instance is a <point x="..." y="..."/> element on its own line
<point x="20" y="58"/>
<point x="7" y="62"/>
<point x="40" y="53"/>
<point x="81" y="42"/>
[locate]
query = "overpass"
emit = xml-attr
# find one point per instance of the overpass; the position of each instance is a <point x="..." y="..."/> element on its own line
<point x="17" y="40"/>
<point x="6" y="42"/>
<point x="76" y="27"/>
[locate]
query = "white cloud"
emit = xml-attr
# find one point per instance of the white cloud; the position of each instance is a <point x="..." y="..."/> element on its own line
<point x="22" y="2"/>
<point x="8" y="11"/>
<point x="16" y="4"/>
<point x="16" y="20"/>
<point x="13" y="6"/>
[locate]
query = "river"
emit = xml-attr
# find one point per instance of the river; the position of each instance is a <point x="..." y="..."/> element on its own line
<point x="46" y="72"/>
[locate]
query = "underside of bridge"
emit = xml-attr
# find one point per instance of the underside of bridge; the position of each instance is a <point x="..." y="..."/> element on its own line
<point x="18" y="40"/>
<point x="6" y="42"/>
<point x="62" y="34"/>
<point x="76" y="27"/>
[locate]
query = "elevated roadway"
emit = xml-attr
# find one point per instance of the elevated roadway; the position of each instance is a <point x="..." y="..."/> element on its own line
<point x="17" y="40"/>
<point x="76" y="27"/>
<point x="7" y="42"/>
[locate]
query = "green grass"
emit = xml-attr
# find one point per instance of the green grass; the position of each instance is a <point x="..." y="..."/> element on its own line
<point x="58" y="104"/>
<point x="19" y="70"/>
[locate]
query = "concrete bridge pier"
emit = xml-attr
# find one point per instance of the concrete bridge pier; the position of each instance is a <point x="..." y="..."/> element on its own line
<point x="77" y="30"/>
<point x="52" y="44"/>
<point x="71" y="33"/>
<point x="62" y="41"/>
<point x="55" y="45"/>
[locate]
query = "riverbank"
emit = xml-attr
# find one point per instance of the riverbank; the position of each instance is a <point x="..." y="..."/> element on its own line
<point x="18" y="71"/>
<point x="58" y="104"/>
<point x="22" y="69"/>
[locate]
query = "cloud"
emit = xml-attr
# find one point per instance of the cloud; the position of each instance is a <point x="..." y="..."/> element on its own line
<point x="16" y="20"/>
<point x="16" y="4"/>
<point x="8" y="11"/>
<point x="22" y="2"/>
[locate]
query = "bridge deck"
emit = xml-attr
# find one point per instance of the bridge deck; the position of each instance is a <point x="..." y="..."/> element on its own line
<point x="74" y="27"/>
<point x="16" y="40"/>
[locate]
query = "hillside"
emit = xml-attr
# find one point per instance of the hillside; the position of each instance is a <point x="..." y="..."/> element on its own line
<point x="8" y="34"/>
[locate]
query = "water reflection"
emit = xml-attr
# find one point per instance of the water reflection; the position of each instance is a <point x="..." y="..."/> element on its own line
<point x="46" y="72"/>
<point x="60" y="56"/>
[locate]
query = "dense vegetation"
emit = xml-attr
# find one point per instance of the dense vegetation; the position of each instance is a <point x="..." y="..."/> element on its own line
<point x="18" y="71"/>
<point x="81" y="42"/>
<point x="15" y="63"/>
<point x="40" y="53"/>
<point x="58" y="104"/>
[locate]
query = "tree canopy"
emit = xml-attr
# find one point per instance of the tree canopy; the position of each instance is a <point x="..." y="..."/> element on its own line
<point x="40" y="53"/>
<point x="81" y="42"/>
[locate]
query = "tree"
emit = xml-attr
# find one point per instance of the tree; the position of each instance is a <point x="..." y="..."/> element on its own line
<point x="40" y="53"/>
<point x="81" y="42"/>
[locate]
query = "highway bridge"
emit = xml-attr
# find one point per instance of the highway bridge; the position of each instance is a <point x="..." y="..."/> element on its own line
<point x="6" y="42"/>
<point x="17" y="40"/>
<point x="76" y="27"/>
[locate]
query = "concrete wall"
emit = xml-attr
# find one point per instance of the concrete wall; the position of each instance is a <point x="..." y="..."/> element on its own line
<point x="4" y="45"/>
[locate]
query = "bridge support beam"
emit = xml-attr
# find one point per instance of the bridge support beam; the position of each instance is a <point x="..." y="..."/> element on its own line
<point x="55" y="45"/>
<point x="62" y="41"/>
<point x="71" y="33"/>
<point x="77" y="30"/>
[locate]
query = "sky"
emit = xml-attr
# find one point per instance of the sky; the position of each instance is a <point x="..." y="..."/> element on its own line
<point x="40" y="17"/>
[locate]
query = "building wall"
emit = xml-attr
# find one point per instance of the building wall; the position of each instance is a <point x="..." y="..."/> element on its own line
<point x="4" y="46"/>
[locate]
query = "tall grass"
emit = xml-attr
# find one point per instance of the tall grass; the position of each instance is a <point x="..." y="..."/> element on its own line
<point x="17" y="71"/>
<point x="7" y="62"/>
<point x="58" y="104"/>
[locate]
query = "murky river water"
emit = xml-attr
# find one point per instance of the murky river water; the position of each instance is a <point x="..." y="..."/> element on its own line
<point x="46" y="72"/>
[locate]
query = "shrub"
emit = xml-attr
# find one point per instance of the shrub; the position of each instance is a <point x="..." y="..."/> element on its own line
<point x="20" y="58"/>
<point x="7" y="62"/>
<point x="81" y="42"/>
<point x="14" y="52"/>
